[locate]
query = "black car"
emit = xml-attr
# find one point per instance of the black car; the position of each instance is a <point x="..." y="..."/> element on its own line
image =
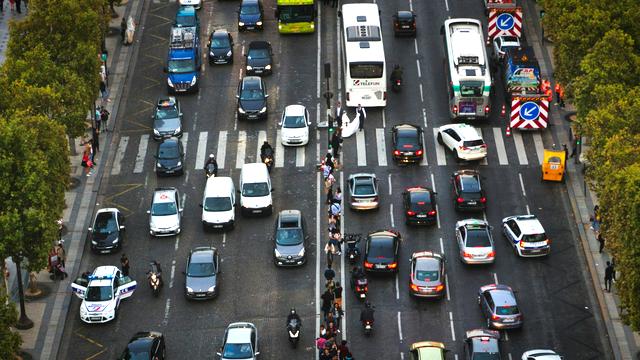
<point x="381" y="251"/>
<point x="259" y="58"/>
<point x="404" y="23"/>
<point x="250" y="15"/>
<point x="419" y="206"/>
<point x="289" y="238"/>
<point x="201" y="278"/>
<point x="107" y="233"/>
<point x="252" y="99"/>
<point x="467" y="191"/>
<point x="220" y="47"/>
<point x="407" y="143"/>
<point x="146" y="345"/>
<point x="167" y="118"/>
<point x="170" y="157"/>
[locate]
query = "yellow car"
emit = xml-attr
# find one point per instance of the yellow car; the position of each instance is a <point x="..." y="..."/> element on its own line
<point x="427" y="350"/>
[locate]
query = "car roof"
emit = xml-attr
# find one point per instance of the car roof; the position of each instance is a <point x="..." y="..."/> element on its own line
<point x="404" y="14"/>
<point x="202" y="254"/>
<point x="405" y="128"/>
<point x="258" y="44"/>
<point x="102" y="276"/>
<point x="252" y="81"/>
<point x="161" y="195"/>
<point x="220" y="33"/>
<point x="503" y="297"/>
<point x="239" y="333"/>
<point x="289" y="215"/>
<point x="218" y="186"/>
<point x="469" y="181"/>
<point x="466" y="131"/>
<point x="294" y="110"/>
<point x="529" y="224"/>
<point x="172" y="141"/>
<point x="429" y="350"/>
<point x="249" y="2"/>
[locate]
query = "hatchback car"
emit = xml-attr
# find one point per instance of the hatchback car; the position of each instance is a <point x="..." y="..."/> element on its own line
<point x="107" y="233"/>
<point x="463" y="140"/>
<point x="502" y="43"/>
<point x="381" y="251"/>
<point x="363" y="192"/>
<point x="427" y="275"/>
<point x="240" y="342"/>
<point x="146" y="345"/>
<point x="427" y="350"/>
<point x="250" y="15"/>
<point x="482" y="344"/>
<point x="541" y="354"/>
<point x="201" y="277"/>
<point x="404" y="23"/>
<point x="170" y="157"/>
<point x="526" y="235"/>
<point x="220" y="47"/>
<point x="166" y="212"/>
<point x="259" y="58"/>
<point x="252" y="99"/>
<point x="475" y="242"/>
<point x="289" y="239"/>
<point x="419" y="206"/>
<point x="407" y="143"/>
<point x="167" y="118"/>
<point x="294" y="126"/>
<point x="499" y="306"/>
<point x="467" y="191"/>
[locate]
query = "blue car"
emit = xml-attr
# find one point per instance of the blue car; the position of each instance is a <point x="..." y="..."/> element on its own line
<point x="250" y="15"/>
<point x="183" y="68"/>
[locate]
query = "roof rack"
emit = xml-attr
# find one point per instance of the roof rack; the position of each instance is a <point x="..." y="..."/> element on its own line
<point x="183" y="38"/>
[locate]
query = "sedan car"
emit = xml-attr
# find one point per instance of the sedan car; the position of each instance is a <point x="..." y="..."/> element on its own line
<point x="220" y="47"/>
<point x="407" y="143"/>
<point x="170" y="157"/>
<point x="259" y="58"/>
<point x="427" y="275"/>
<point x="541" y="354"/>
<point x="363" y="191"/>
<point x="463" y="140"/>
<point x="427" y="350"/>
<point x="499" y="306"/>
<point x="475" y="242"/>
<point x="250" y="15"/>
<point x="240" y="342"/>
<point x="404" y="23"/>
<point x="526" y="235"/>
<point x="467" y="191"/>
<point x="145" y="345"/>
<point x="107" y="233"/>
<point x="294" y="126"/>
<point x="419" y="206"/>
<point x="203" y="267"/>
<point x="289" y="238"/>
<point x="166" y="213"/>
<point x="381" y="251"/>
<point x="482" y="344"/>
<point x="167" y="118"/>
<point x="252" y="99"/>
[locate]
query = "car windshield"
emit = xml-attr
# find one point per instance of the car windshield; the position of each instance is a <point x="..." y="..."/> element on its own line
<point x="296" y="13"/>
<point x="181" y="66"/>
<point x="258" y="54"/>
<point x="471" y="88"/>
<point x="363" y="189"/>
<point x="534" y="237"/>
<point x="289" y="236"/>
<point x="427" y="275"/>
<point x="381" y="248"/>
<point x="486" y="356"/>
<point x="99" y="293"/>
<point x="249" y="9"/>
<point x="197" y="269"/>
<point x="169" y="151"/>
<point x="166" y="113"/>
<point x="294" y="122"/>
<point x="217" y="204"/>
<point x="186" y="21"/>
<point x="164" y="209"/>
<point x="255" y="189"/>
<point x="220" y="43"/>
<point x="420" y="200"/>
<point x="478" y="238"/>
<point x="251" y="94"/>
<point x="105" y="224"/>
<point x="237" y="351"/>
<point x="136" y="354"/>
<point x="507" y="310"/>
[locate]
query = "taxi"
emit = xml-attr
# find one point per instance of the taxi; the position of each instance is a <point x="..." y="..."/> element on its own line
<point x="427" y="350"/>
<point x="101" y="293"/>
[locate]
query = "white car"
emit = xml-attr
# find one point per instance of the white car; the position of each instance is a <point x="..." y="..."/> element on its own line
<point x="540" y="354"/>
<point x="502" y="43"/>
<point x="475" y="241"/>
<point x="240" y="342"/>
<point x="165" y="213"/>
<point x="101" y="293"/>
<point x="294" y="126"/>
<point x="195" y="3"/>
<point x="464" y="140"/>
<point x="526" y="235"/>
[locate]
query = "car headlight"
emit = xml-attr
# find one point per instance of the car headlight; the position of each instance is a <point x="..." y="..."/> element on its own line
<point x="279" y="26"/>
<point x="156" y="132"/>
<point x="240" y="23"/>
<point x="259" y="23"/>
<point x="94" y="242"/>
<point x="189" y="290"/>
<point x="313" y="25"/>
<point x="240" y="110"/>
<point x="268" y="67"/>
<point x="116" y="240"/>
<point x="179" y="163"/>
<point x="277" y="253"/>
<point x="229" y="53"/>
<point x="193" y="81"/>
<point x="83" y="311"/>
<point x="249" y="68"/>
<point x="158" y="165"/>
<point x="301" y="253"/>
<point x="177" y="131"/>
<point x="211" y="289"/>
<point x="263" y="110"/>
<point x="169" y="82"/>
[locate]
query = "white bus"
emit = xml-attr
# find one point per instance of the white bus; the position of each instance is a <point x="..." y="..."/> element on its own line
<point x="365" y="80"/>
<point x="469" y="79"/>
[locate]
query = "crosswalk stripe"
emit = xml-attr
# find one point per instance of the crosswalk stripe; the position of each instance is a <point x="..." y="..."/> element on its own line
<point x="522" y="155"/>
<point x="300" y="156"/>
<point x="242" y="148"/>
<point x="500" y="149"/>
<point x="184" y="140"/>
<point x="484" y="160"/>
<point x="202" y="149"/>
<point x="361" y="148"/>
<point x="537" y="140"/>
<point x="440" y="156"/>
<point x="262" y="137"/>
<point x="142" y="152"/>
<point x="279" y="150"/>
<point x="382" y="147"/>
<point x="424" y="161"/>
<point x="117" y="162"/>
<point x="222" y="149"/>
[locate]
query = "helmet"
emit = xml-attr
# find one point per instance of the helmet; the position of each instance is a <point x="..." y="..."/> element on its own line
<point x="266" y="142"/>
<point x="367" y="304"/>
<point x="293" y="311"/>
<point x="211" y="156"/>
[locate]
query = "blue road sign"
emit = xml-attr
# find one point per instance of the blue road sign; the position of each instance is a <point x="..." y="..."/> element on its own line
<point x="529" y="111"/>
<point x="505" y="22"/>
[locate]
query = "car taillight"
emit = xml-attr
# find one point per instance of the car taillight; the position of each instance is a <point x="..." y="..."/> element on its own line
<point x="432" y="213"/>
<point x="467" y="255"/>
<point x="384" y="96"/>
<point x="460" y="200"/>
<point x="396" y="152"/>
<point x="486" y="109"/>
<point x="521" y="244"/>
<point x="495" y="317"/>
<point x="548" y="241"/>
<point x="484" y="146"/>
<point x="483" y="199"/>
<point x="439" y="288"/>
<point x="492" y="254"/>
<point x="419" y="152"/>
<point x="368" y="265"/>
<point x="392" y="265"/>
<point x="414" y="287"/>
<point x="455" y="109"/>
<point x="411" y="213"/>
<point x="463" y="148"/>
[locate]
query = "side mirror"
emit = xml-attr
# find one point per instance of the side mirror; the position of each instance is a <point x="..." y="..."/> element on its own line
<point x="90" y="229"/>
<point x="200" y="205"/>
<point x="181" y="209"/>
<point x="257" y="353"/>
<point x="121" y="227"/>
<point x="148" y="211"/>
<point x="266" y="95"/>
<point x="180" y="114"/>
<point x="165" y="70"/>
<point x="280" y="123"/>
<point x="184" y="273"/>
<point x="237" y="96"/>
<point x="219" y="353"/>
<point x="272" y="189"/>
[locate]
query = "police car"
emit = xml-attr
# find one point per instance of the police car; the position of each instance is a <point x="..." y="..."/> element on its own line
<point x="101" y="293"/>
<point x="526" y="235"/>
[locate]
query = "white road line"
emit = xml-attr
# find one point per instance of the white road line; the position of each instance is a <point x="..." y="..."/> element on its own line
<point x="167" y="308"/>
<point x="446" y="4"/>
<point x="411" y="6"/>
<point x="455" y="356"/>
<point x="401" y="356"/>
<point x="173" y="273"/>
<point x="221" y="154"/>
<point x="453" y="331"/>
<point x="421" y="93"/>
<point x="509" y="354"/>
<point x="382" y="147"/>
<point x="399" y="323"/>
<point x="440" y="156"/>
<point x="537" y="140"/>
<point x="424" y="161"/>
<point x="441" y="246"/>
<point x="184" y="140"/>
<point x="361" y="148"/>
<point x="384" y="119"/>
<point x="506" y="337"/>
<point x="201" y="153"/>
<point x="522" y="156"/>
<point x="500" y="149"/>
<point x="142" y="152"/>
<point x="418" y="65"/>
<point x="397" y="289"/>
<point x="438" y="215"/>
<point x="262" y="137"/>
<point x="184" y="200"/>
<point x="389" y="181"/>
<point x="279" y="151"/>
<point x="528" y="211"/>
<point x="117" y="162"/>
<point x="524" y="193"/>
<point x="242" y="148"/>
<point x="415" y="44"/>
<point x="484" y="160"/>
<point x="424" y="117"/>
<point x="177" y="244"/>
<point x="300" y="158"/>
<point x="433" y="183"/>
<point x="446" y="281"/>
<point x="495" y="278"/>
<point x="393" y="223"/>
<point x="224" y="239"/>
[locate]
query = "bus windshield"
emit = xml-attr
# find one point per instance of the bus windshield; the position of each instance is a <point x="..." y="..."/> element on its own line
<point x="471" y="88"/>
<point x="366" y="70"/>
<point x="295" y="13"/>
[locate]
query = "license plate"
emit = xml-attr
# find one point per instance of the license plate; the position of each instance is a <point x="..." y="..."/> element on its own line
<point x="405" y="26"/>
<point x="252" y="116"/>
<point x="105" y="251"/>
<point x="256" y="211"/>
<point x="169" y="171"/>
<point x="258" y="71"/>
<point x="95" y="318"/>
<point x="421" y="216"/>
<point x="467" y="108"/>
<point x="366" y="97"/>
<point x="472" y="202"/>
<point x="199" y="295"/>
<point x="250" y="27"/>
<point x="508" y="320"/>
<point x="217" y="226"/>
<point x="381" y="266"/>
<point x="535" y="250"/>
<point x="408" y="153"/>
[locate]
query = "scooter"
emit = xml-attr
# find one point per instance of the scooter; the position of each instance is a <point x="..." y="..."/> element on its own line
<point x="155" y="279"/>
<point x="293" y="328"/>
<point x="353" y="252"/>
<point x="211" y="170"/>
<point x="396" y="85"/>
<point x="367" y="326"/>
<point x="361" y="287"/>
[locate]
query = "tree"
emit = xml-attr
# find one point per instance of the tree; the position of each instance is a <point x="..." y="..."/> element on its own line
<point x="10" y="341"/>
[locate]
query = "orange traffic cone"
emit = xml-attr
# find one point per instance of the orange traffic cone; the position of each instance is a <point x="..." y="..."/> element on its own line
<point x="508" y="130"/>
<point x="503" y="111"/>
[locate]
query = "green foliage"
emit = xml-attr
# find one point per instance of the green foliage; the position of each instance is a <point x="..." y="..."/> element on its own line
<point x="10" y="340"/>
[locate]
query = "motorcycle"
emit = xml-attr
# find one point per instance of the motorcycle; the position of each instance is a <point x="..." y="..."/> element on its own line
<point x="361" y="287"/>
<point x="293" y="328"/>
<point x="211" y="170"/>
<point x="367" y="326"/>
<point x="396" y="85"/>
<point x="267" y="159"/>
<point x="353" y="252"/>
<point x="155" y="279"/>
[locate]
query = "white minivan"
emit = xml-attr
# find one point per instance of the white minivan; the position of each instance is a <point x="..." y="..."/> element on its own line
<point x="219" y="203"/>
<point x="255" y="190"/>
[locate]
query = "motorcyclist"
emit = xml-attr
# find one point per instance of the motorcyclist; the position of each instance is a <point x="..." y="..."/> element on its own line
<point x="266" y="150"/>
<point x="212" y="160"/>
<point x="293" y="315"/>
<point x="366" y="315"/>
<point x="396" y="74"/>
<point x="357" y="273"/>
<point x="156" y="269"/>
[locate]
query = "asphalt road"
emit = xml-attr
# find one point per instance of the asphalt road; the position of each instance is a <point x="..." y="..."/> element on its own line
<point x="553" y="294"/>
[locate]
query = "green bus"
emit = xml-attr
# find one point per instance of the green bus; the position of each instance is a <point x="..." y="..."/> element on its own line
<point x="296" y="16"/>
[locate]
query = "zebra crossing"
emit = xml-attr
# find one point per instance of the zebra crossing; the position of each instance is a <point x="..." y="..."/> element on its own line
<point x="234" y="148"/>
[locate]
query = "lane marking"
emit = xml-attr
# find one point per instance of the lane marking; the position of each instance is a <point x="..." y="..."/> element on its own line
<point x="537" y="140"/>
<point x="397" y="289"/>
<point x="438" y="215"/>
<point x="167" y="308"/>
<point x="279" y="151"/>
<point x="453" y="331"/>
<point x="522" y="156"/>
<point x="142" y="152"/>
<point x="415" y="44"/>
<point x="424" y="118"/>
<point x="382" y="147"/>
<point x="421" y="93"/>
<point x="184" y="139"/>
<point x="242" y="148"/>
<point x="446" y="4"/>
<point x="495" y="278"/>
<point x="117" y="162"/>
<point x="433" y="183"/>
<point x="524" y="193"/>
<point x="224" y="239"/>
<point x="440" y="155"/>
<point x="446" y="280"/>
<point x="173" y="273"/>
<point x="222" y="149"/>
<point x="389" y="180"/>
<point x="418" y="65"/>
<point x="177" y="244"/>
<point x="300" y="159"/>
<point x="361" y="148"/>
<point x="393" y="224"/>
<point x="528" y="211"/>
<point x="502" y="152"/>
<point x="262" y="137"/>
<point x="441" y="246"/>
<point x="201" y="153"/>
<point x="424" y="161"/>
<point x="399" y="325"/>
<point x="384" y="119"/>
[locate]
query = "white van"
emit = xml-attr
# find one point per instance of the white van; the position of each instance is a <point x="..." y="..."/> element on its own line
<point x="219" y="203"/>
<point x="255" y="189"/>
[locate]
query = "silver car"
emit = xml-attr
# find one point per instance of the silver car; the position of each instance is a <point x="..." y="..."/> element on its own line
<point x="166" y="212"/>
<point x="240" y="342"/>
<point x="475" y="241"/>
<point x="499" y="306"/>
<point x="363" y="191"/>
<point x="289" y="238"/>
<point x="203" y="267"/>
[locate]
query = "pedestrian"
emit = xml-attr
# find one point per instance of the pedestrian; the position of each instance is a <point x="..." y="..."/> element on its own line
<point x="86" y="162"/>
<point x="608" y="276"/>
<point x="327" y="300"/>
<point x="328" y="161"/>
<point x="332" y="330"/>
<point x="339" y="113"/>
<point x="104" y="117"/>
<point x="335" y="209"/>
<point x="123" y="29"/>
<point x="62" y="255"/>
<point x="337" y="295"/>
<point x="335" y="239"/>
<point x="595" y="219"/>
<point x="337" y="314"/>
<point x="97" y="123"/>
<point x="337" y="196"/>
<point x="566" y="151"/>
<point x="557" y="90"/>
<point x="336" y="142"/>
<point x="329" y="273"/>
<point x="321" y="341"/>
<point x="362" y="116"/>
<point x="104" y="91"/>
<point x="343" y="349"/>
<point x="601" y="242"/>
<point x="328" y="182"/>
<point x="124" y="261"/>
<point x="613" y="269"/>
<point x="325" y="355"/>
<point x="329" y="195"/>
<point x="349" y="356"/>
<point x="323" y="332"/>
<point x="95" y="141"/>
<point x="332" y="224"/>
